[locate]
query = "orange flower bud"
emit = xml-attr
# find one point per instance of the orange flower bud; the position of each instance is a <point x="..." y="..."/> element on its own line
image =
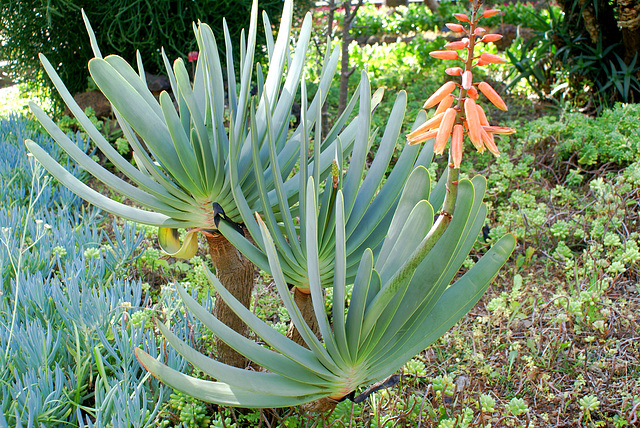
<point x="454" y="46"/>
<point x="489" y="13"/>
<point x="444" y="131"/>
<point x="456" y="145"/>
<point x="492" y="95"/>
<point x="500" y="130"/>
<point x="479" y="31"/>
<point x="472" y="93"/>
<point x="467" y="79"/>
<point x="454" y="71"/>
<point x="491" y="58"/>
<point x="439" y="95"/>
<point x="480" y="63"/>
<point x="489" y="38"/>
<point x="434" y="122"/>
<point x="456" y="28"/>
<point x="445" y="104"/>
<point x="450" y="55"/>
<point x="461" y="17"/>
<point x="422" y="137"/>
<point x="473" y="121"/>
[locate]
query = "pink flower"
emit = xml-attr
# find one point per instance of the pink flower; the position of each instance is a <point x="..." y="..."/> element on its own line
<point x="193" y="56"/>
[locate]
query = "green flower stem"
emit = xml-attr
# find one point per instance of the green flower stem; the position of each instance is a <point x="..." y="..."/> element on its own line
<point x="438" y="228"/>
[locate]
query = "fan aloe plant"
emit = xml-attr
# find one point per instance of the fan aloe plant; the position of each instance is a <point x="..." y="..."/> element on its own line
<point x="183" y="157"/>
<point x="399" y="260"/>
<point x="369" y="206"/>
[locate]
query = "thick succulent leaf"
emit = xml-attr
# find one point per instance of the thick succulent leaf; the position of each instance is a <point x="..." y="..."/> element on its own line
<point x="290" y="359"/>
<point x="454" y="303"/>
<point x="417" y="188"/>
<point x="356" y="312"/>
<point x="217" y="392"/>
<point x="358" y="157"/>
<point x="415" y="228"/>
<point x="143" y="119"/>
<point x="376" y="172"/>
<point x="315" y="284"/>
<point x="112" y="154"/>
<point x="145" y="199"/>
<point x="294" y="312"/>
<point x="383" y="309"/>
<point x="169" y="240"/>
<point x="97" y="199"/>
<point x="259" y="382"/>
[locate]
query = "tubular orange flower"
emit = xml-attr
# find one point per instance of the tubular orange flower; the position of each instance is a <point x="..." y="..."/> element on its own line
<point x="445" y="104"/>
<point x="434" y="122"/>
<point x="467" y="79"/>
<point x="490" y="12"/>
<point x="422" y="137"/>
<point x="444" y="131"/>
<point x="450" y="55"/>
<point x="440" y="94"/>
<point x="492" y="95"/>
<point x="490" y="143"/>
<point x="500" y="130"/>
<point x="491" y="58"/>
<point x="472" y="93"/>
<point x="480" y="63"/>
<point x="456" y="145"/>
<point x="482" y="116"/>
<point x="473" y="121"/>
<point x="454" y="71"/>
<point x="456" y="28"/>
<point x="461" y="17"/>
<point x="489" y="38"/>
<point x="454" y="46"/>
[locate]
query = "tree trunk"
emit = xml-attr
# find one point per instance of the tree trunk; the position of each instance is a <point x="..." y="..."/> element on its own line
<point x="432" y="5"/>
<point x="326" y="126"/>
<point x="235" y="272"/>
<point x="629" y="22"/>
<point x="345" y="71"/>
<point x="305" y="304"/>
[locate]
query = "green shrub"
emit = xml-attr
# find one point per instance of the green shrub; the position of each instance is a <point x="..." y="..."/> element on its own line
<point x="55" y="28"/>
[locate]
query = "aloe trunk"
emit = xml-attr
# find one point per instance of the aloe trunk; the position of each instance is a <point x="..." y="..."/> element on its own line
<point x="235" y="272"/>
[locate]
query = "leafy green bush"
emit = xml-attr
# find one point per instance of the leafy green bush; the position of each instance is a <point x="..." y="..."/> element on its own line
<point x="55" y="28"/>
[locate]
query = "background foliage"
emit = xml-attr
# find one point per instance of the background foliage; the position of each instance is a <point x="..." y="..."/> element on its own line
<point x="55" y="28"/>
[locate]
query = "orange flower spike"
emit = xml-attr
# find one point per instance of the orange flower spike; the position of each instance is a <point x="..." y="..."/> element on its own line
<point x="492" y="59"/>
<point x="471" y="113"/>
<point x="422" y="137"/>
<point x="461" y="17"/>
<point x="467" y="80"/>
<point x="456" y="145"/>
<point x="448" y="55"/>
<point x="445" y="104"/>
<point x="434" y="122"/>
<point x="444" y="131"/>
<point x="440" y="94"/>
<point x="456" y="28"/>
<point x="455" y="46"/>
<point x="472" y="93"/>
<point x="489" y="13"/>
<point x="492" y="95"/>
<point x="454" y="71"/>
<point x="490" y="38"/>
